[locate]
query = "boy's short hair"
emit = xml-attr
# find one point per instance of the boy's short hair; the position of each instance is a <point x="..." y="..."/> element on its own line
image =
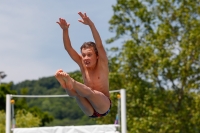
<point x="88" y="45"/>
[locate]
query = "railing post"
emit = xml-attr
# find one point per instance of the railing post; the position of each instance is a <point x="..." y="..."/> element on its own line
<point x="8" y="113"/>
<point x="123" y="111"/>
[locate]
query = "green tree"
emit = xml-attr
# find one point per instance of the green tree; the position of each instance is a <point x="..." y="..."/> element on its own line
<point x="2" y="121"/>
<point x="159" y="63"/>
<point x="5" y="89"/>
<point x="26" y="119"/>
<point x="23" y="119"/>
<point x="21" y="103"/>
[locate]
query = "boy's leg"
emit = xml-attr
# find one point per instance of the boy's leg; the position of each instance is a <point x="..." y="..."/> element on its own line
<point x="97" y="99"/>
<point x="85" y="106"/>
<point x="83" y="103"/>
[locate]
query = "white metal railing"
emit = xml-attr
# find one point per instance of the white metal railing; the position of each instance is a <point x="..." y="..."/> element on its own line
<point x="8" y="107"/>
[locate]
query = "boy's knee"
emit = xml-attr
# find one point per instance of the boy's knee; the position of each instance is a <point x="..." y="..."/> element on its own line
<point x="89" y="93"/>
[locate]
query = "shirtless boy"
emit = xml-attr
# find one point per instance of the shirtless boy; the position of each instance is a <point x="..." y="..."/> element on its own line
<point x="93" y="96"/>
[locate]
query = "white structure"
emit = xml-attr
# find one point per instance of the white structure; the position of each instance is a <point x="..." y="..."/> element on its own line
<point x="68" y="129"/>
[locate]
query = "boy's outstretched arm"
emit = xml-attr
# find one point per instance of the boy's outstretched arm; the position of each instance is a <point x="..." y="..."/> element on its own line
<point x="67" y="43"/>
<point x="86" y="20"/>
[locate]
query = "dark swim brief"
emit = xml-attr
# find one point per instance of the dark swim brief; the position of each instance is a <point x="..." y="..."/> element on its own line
<point x="96" y="114"/>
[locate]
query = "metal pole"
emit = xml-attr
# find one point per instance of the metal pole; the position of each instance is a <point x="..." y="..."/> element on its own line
<point x="8" y="112"/>
<point x="123" y="111"/>
<point x="119" y="112"/>
<point x="13" y="113"/>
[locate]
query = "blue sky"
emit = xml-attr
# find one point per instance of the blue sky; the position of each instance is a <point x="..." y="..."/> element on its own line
<point x="31" y="44"/>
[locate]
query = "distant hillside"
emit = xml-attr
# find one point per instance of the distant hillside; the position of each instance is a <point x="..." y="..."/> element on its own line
<point x="65" y="110"/>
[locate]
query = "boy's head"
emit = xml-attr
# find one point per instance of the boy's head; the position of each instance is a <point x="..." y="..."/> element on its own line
<point x="88" y="45"/>
<point x="89" y="54"/>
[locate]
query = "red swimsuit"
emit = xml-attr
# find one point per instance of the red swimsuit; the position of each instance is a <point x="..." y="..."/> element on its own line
<point x="96" y="114"/>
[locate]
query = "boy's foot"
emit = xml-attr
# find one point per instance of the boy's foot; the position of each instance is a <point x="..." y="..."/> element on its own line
<point x="66" y="82"/>
<point x="59" y="76"/>
<point x="67" y="79"/>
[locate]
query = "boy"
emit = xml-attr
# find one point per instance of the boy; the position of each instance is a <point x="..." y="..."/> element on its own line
<point x="93" y="96"/>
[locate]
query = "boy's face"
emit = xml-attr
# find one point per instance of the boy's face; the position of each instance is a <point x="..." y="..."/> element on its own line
<point x="89" y="57"/>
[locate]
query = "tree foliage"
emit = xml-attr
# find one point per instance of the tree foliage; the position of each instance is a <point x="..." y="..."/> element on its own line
<point x="26" y="119"/>
<point x="23" y="119"/>
<point x="158" y="63"/>
<point x="21" y="103"/>
<point x="5" y="89"/>
<point x="2" y="121"/>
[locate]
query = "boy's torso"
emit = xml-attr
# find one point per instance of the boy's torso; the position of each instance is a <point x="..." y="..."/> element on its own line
<point x="97" y="79"/>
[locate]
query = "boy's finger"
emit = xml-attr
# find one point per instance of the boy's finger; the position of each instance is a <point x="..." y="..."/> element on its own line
<point x="80" y="20"/>
<point x="81" y="14"/>
<point x="58" y="23"/>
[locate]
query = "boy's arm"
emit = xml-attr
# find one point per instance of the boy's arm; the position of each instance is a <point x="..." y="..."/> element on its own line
<point x="67" y="43"/>
<point x="86" y="20"/>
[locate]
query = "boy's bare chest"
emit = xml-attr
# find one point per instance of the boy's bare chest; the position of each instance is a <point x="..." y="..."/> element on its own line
<point x="92" y="77"/>
<point x="95" y="79"/>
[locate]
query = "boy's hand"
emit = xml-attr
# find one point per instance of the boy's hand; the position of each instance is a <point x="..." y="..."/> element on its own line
<point x="63" y="24"/>
<point x="85" y="19"/>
